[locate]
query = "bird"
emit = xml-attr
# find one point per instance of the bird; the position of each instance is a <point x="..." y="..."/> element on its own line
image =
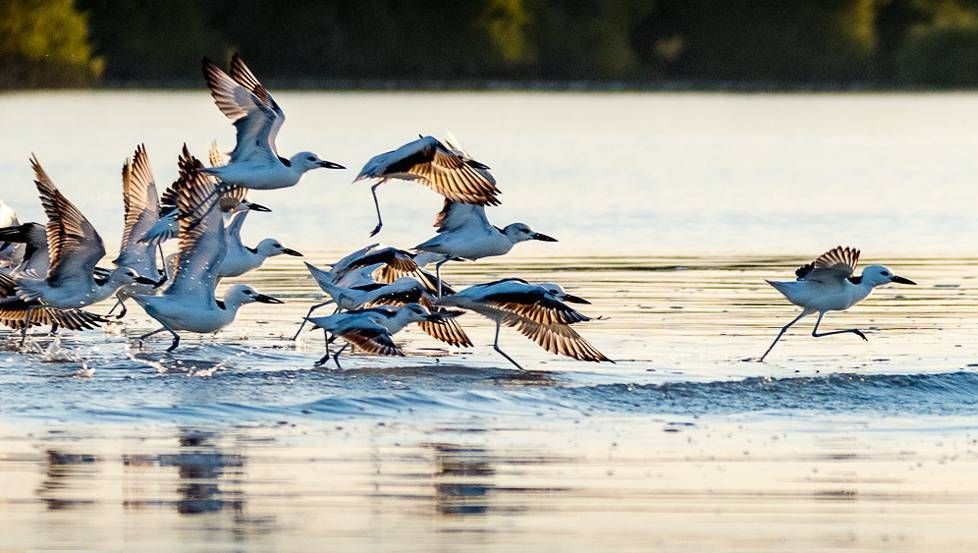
<point x="10" y="252"/>
<point x="239" y="258"/>
<point x="20" y="315"/>
<point x="464" y="232"/>
<point x="255" y="162"/>
<point x="189" y="303"/>
<point x="828" y="284"/>
<point x="141" y="212"/>
<point x="537" y="311"/>
<point x="74" y="247"/>
<point x="372" y="329"/>
<point x="447" y="170"/>
<point x="400" y="292"/>
<point x="34" y="258"/>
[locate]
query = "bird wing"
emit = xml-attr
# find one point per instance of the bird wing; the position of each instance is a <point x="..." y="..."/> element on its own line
<point x="836" y="264"/>
<point x="388" y="274"/>
<point x="142" y="211"/>
<point x="533" y="303"/>
<point x="455" y="216"/>
<point x="399" y="260"/>
<point x="372" y="338"/>
<point x="202" y="241"/>
<point x="243" y="99"/>
<point x="13" y="311"/>
<point x="454" y="176"/>
<point x="558" y="339"/>
<point x="74" y="246"/>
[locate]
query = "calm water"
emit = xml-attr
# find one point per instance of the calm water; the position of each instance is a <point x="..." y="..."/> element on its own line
<point x="671" y="211"/>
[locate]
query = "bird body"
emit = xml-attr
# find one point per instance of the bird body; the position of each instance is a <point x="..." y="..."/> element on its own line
<point x="827" y="284"/>
<point x="240" y="259"/>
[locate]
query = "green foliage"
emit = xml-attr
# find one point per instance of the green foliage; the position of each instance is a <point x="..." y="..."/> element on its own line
<point x="44" y="43"/>
<point x="942" y="57"/>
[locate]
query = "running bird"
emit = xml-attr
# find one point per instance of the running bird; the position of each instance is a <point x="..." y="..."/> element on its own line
<point x="20" y="315"/>
<point x="189" y="303"/>
<point x="537" y="311"/>
<point x="372" y="330"/>
<point x="464" y="232"/>
<point x="827" y="284"/>
<point x="74" y="248"/>
<point x="255" y="162"/>
<point x="447" y="170"/>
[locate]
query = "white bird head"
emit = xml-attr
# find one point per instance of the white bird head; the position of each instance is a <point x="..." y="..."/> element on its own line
<point x="307" y="161"/>
<point x="240" y="294"/>
<point x="271" y="247"/>
<point x="878" y="275"/>
<point x="520" y="232"/>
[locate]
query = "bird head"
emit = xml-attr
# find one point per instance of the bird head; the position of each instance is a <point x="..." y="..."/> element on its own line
<point x="271" y="247"/>
<point x="307" y="161"/>
<point x="520" y="232"/>
<point x="878" y="275"/>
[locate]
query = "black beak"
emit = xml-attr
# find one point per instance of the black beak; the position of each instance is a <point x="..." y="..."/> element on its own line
<point x="901" y="280"/>
<point x="477" y="165"/>
<point x="543" y="237"/>
<point x="144" y="280"/>
<point x="575" y="299"/>
<point x="330" y="165"/>
<point x="262" y="298"/>
<point x="290" y="251"/>
<point x="258" y="207"/>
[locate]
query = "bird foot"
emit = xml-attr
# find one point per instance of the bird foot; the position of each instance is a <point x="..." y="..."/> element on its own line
<point x="861" y="335"/>
<point x="375" y="231"/>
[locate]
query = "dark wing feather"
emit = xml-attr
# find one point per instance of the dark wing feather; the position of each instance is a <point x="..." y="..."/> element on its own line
<point x="557" y="339"/>
<point x="373" y="340"/>
<point x="535" y="305"/>
<point x="838" y="263"/>
<point x="452" y="176"/>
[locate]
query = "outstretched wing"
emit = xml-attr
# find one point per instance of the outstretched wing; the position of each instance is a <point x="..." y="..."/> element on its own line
<point x="202" y="242"/>
<point x="455" y="216"/>
<point x="557" y="339"/>
<point x="243" y="99"/>
<point x="836" y="264"/>
<point x="373" y="339"/>
<point x="74" y="246"/>
<point x="14" y="311"/>
<point x="533" y="303"/>
<point x="142" y="211"/>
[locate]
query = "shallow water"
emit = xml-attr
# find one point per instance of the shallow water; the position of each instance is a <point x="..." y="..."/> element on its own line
<point x="235" y="441"/>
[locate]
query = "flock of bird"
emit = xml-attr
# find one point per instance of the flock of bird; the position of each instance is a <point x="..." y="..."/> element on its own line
<point x="50" y="273"/>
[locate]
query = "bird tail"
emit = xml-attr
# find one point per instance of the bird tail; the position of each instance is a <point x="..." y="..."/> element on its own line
<point x="782" y="286"/>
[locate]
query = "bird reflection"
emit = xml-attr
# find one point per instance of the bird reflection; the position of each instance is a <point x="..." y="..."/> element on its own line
<point x="200" y="469"/>
<point x="64" y="472"/>
<point x="462" y="479"/>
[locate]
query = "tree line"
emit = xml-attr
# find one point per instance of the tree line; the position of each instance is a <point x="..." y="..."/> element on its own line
<point x="730" y="43"/>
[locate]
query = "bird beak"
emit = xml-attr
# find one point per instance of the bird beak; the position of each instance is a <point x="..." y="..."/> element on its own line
<point x="575" y="299"/>
<point x="258" y="207"/>
<point x="262" y="298"/>
<point x="290" y="251"/>
<point x="543" y="237"/>
<point x="144" y="280"/>
<point x="477" y="165"/>
<point x="901" y="280"/>
<point x="330" y="165"/>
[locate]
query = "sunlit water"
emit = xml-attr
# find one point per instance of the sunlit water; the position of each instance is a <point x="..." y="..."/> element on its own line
<point x="671" y="211"/>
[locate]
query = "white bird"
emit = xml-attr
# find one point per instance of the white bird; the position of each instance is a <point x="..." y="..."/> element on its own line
<point x="255" y="162"/>
<point x="402" y="291"/>
<point x="11" y="253"/>
<point x="464" y="232"/>
<point x="74" y="248"/>
<point x="20" y="315"/>
<point x="142" y="212"/>
<point x="827" y="284"/>
<point x="189" y="303"/>
<point x="447" y="170"/>
<point x="240" y="258"/>
<point x="33" y="236"/>
<point x="372" y="329"/>
<point x="536" y="310"/>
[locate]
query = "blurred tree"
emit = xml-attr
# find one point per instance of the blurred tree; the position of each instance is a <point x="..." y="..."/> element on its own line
<point x="44" y="43"/>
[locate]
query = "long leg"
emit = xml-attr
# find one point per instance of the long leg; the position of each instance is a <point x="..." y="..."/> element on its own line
<point x="164" y="328"/>
<point x="336" y="356"/>
<point x="28" y="317"/>
<point x="119" y="302"/>
<point x="309" y="313"/>
<point x="142" y="338"/>
<point x="495" y="346"/>
<point x="324" y="359"/>
<point x="380" y="221"/>
<point x="783" y="330"/>
<point x="438" y="273"/>
<point x="166" y="272"/>
<point x="855" y="331"/>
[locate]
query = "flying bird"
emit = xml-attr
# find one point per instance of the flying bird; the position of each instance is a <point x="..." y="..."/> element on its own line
<point x="828" y="284"/>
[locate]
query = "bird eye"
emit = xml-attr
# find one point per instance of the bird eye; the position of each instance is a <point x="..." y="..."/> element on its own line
<point x="311" y="158"/>
<point x="884" y="273"/>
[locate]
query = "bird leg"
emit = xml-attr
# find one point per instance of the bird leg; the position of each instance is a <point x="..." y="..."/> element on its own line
<point x="438" y="274"/>
<point x="336" y="356"/>
<point x="380" y="221"/>
<point x="166" y="273"/>
<point x="855" y="331"/>
<point x="27" y="324"/>
<point x="324" y="359"/>
<point x="495" y="346"/>
<point x="783" y="330"/>
<point x="308" y="313"/>
<point x="176" y="340"/>
<point x="119" y="302"/>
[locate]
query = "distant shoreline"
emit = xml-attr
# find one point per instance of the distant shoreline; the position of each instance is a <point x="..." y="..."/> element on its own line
<point x="393" y="85"/>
